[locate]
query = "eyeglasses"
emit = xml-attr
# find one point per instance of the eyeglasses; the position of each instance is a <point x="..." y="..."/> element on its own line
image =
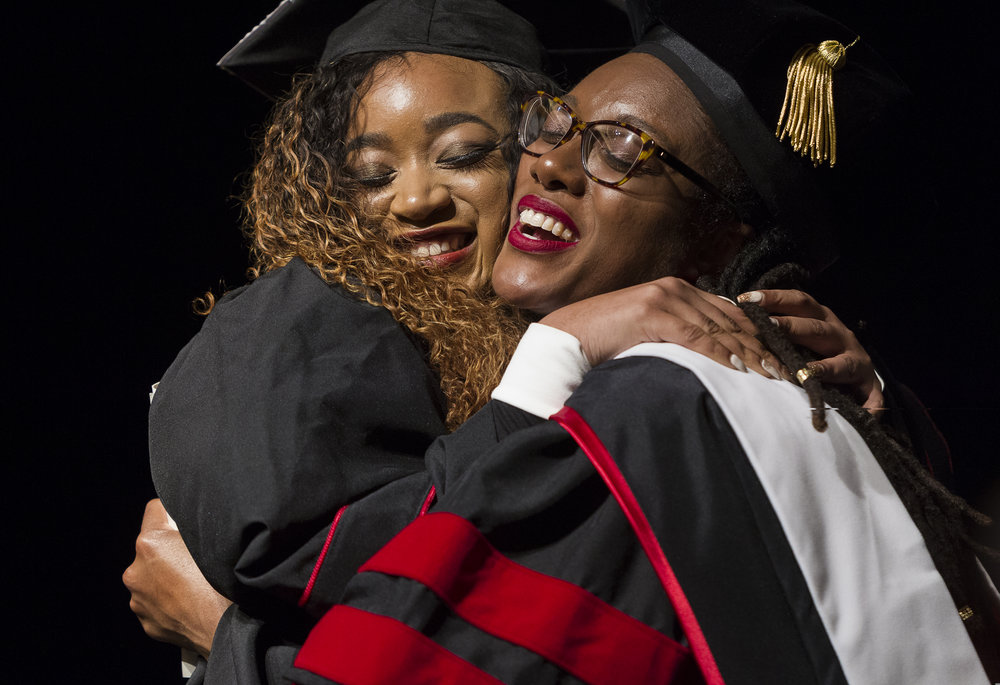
<point x="611" y="151"/>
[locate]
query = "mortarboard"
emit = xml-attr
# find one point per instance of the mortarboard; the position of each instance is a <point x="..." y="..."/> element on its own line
<point x="746" y="59"/>
<point x="300" y="34"/>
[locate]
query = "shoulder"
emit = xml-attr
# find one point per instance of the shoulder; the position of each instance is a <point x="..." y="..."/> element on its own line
<point x="663" y="381"/>
<point x="294" y="292"/>
<point x="289" y="323"/>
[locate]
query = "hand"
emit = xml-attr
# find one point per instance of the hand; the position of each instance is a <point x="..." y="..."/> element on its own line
<point x="170" y="596"/>
<point x="666" y="310"/>
<point x="808" y="323"/>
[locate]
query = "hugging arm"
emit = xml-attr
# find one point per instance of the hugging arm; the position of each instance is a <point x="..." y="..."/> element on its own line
<point x="275" y="447"/>
<point x="744" y="497"/>
<point x="171" y="598"/>
<point x="672" y="310"/>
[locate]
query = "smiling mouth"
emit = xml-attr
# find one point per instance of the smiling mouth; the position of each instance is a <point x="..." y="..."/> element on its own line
<point x="541" y="226"/>
<point x="440" y="245"/>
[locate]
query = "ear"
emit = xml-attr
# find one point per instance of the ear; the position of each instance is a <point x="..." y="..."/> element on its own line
<point x="717" y="253"/>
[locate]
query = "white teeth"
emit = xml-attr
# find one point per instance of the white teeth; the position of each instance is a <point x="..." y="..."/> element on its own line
<point x="431" y="249"/>
<point x="546" y="223"/>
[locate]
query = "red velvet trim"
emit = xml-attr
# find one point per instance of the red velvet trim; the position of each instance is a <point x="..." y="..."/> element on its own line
<point x="558" y="620"/>
<point x="322" y="557"/>
<point x="428" y="501"/>
<point x="592" y="446"/>
<point x="355" y="647"/>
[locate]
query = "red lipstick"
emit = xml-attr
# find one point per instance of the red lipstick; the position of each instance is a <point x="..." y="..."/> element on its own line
<point x="529" y="243"/>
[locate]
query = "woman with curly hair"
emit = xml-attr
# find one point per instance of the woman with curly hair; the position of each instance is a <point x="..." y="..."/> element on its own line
<point x="288" y="438"/>
<point x="671" y="520"/>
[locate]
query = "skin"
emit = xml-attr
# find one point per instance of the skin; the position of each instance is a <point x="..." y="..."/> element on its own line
<point x="425" y="149"/>
<point x="164" y="577"/>
<point x="627" y="236"/>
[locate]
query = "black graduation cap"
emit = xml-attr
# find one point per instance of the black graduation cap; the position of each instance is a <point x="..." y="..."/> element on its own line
<point x="300" y="34"/>
<point x="745" y="60"/>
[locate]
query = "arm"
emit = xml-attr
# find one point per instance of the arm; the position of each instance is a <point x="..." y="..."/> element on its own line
<point x="807" y="323"/>
<point x="672" y="310"/>
<point x="170" y="597"/>
<point x="277" y="448"/>
<point x="749" y="503"/>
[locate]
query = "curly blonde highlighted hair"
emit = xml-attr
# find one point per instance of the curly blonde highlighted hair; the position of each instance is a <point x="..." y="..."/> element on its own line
<point x="300" y="204"/>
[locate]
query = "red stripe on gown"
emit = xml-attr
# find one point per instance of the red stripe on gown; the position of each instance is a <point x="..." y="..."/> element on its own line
<point x="307" y="592"/>
<point x="355" y="647"/>
<point x="558" y="620"/>
<point x="599" y="456"/>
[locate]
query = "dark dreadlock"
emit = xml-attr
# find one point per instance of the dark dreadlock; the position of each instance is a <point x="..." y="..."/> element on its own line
<point x="944" y="520"/>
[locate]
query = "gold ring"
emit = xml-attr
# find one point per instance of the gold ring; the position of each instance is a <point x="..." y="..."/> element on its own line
<point x="804" y="374"/>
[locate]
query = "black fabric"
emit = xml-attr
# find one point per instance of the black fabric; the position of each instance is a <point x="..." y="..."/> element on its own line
<point x="413" y="604"/>
<point x="734" y="57"/>
<point x="301" y="34"/>
<point x="538" y="499"/>
<point x="715" y="523"/>
<point x="245" y="650"/>
<point x="294" y="400"/>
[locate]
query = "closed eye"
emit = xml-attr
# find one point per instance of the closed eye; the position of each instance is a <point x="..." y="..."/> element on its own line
<point x="372" y="176"/>
<point x="467" y="156"/>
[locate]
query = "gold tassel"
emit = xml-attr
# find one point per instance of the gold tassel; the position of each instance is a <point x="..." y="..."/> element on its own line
<point x="810" y="124"/>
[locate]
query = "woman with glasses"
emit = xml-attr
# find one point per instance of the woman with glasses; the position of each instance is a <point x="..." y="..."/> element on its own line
<point x="674" y="520"/>
<point x="330" y="550"/>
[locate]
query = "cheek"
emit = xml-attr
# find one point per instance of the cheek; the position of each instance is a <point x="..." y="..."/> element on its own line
<point x="491" y="204"/>
<point x="374" y="205"/>
<point x="639" y="246"/>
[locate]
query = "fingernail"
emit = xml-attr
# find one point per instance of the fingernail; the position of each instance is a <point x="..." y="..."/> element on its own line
<point x="770" y="369"/>
<point x="752" y="296"/>
<point x="816" y="369"/>
<point x="772" y="320"/>
<point x="738" y="363"/>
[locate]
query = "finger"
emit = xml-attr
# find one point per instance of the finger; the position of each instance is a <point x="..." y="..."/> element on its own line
<point x="789" y="302"/>
<point x="697" y="332"/>
<point x="726" y="323"/>
<point x="754" y="353"/>
<point x="716" y="317"/>
<point x="155" y="516"/>
<point x="723" y="308"/>
<point x="716" y="307"/>
<point x="875" y="402"/>
<point x="822" y="337"/>
<point x="128" y="578"/>
<point x="667" y="327"/>
<point x="745" y="345"/>
<point x="847" y="369"/>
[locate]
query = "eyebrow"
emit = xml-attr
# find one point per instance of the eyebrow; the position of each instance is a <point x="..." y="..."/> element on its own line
<point x="446" y="120"/>
<point x="661" y="140"/>
<point x="368" y="140"/>
<point x="434" y="125"/>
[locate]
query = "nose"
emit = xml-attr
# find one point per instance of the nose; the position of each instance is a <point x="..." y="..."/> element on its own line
<point x="561" y="168"/>
<point x="420" y="197"/>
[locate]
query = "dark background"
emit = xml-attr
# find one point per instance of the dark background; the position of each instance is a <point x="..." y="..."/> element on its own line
<point x="120" y="166"/>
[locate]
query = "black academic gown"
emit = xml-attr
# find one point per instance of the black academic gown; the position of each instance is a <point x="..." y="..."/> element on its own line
<point x="287" y="441"/>
<point x="754" y="550"/>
